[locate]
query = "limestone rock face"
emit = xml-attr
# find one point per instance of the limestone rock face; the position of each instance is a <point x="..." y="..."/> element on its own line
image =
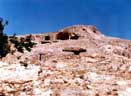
<point x="103" y="67"/>
<point x="83" y="31"/>
<point x="71" y="33"/>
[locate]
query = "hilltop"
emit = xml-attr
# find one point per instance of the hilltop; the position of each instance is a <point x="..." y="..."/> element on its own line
<point x="74" y="61"/>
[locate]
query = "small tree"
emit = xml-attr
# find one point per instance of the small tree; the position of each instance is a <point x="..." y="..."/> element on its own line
<point x="4" y="46"/>
<point x="19" y="44"/>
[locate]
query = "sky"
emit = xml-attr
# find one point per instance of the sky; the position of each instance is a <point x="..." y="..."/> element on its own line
<point x="111" y="17"/>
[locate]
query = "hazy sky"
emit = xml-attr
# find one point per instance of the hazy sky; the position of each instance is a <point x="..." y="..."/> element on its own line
<point x="112" y="17"/>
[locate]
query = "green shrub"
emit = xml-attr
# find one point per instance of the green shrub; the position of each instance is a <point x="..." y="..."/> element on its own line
<point x="4" y="46"/>
<point x="23" y="43"/>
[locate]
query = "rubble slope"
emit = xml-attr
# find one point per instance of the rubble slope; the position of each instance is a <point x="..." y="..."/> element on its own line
<point x="75" y="61"/>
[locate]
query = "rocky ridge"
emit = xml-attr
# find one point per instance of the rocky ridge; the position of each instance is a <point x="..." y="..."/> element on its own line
<point x="102" y="66"/>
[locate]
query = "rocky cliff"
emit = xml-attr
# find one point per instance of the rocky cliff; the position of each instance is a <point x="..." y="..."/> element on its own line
<point x="75" y="61"/>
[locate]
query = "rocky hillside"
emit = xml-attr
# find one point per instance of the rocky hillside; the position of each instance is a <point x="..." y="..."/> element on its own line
<point x="75" y="61"/>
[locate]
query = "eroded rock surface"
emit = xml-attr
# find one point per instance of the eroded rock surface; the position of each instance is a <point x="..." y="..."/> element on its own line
<point x="103" y="68"/>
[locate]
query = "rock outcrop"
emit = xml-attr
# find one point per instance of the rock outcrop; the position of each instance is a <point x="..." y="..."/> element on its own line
<point x="103" y="67"/>
<point x="75" y="50"/>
